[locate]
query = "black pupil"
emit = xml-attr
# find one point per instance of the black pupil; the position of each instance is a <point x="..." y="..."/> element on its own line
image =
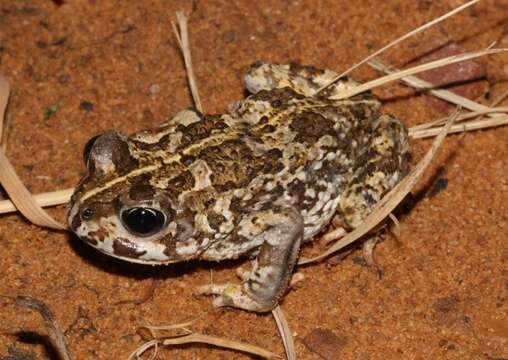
<point x="143" y="221"/>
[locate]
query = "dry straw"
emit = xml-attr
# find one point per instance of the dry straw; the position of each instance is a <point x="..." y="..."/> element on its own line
<point x="480" y="116"/>
<point x="183" y="335"/>
<point x="55" y="334"/>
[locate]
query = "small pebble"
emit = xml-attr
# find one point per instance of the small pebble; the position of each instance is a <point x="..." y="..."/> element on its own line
<point x="155" y="89"/>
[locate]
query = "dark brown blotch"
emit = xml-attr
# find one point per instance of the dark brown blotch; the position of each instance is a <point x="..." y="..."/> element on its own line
<point x="201" y="129"/>
<point x="310" y="127"/>
<point x="125" y="248"/>
<point x="296" y="188"/>
<point x="267" y="129"/>
<point x="76" y="221"/>
<point x="280" y="96"/>
<point x="184" y="181"/>
<point x="98" y="235"/>
<point x="215" y="220"/>
<point x="141" y="192"/>
<point x="187" y="159"/>
<point x="305" y="70"/>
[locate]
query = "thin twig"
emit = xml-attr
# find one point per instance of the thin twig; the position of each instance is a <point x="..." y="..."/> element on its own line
<point x="204" y="339"/>
<point x="460" y="128"/>
<point x="414" y="70"/>
<point x="47" y="199"/>
<point x="182" y="36"/>
<point x="285" y="332"/>
<point x="4" y="100"/>
<point x="405" y="36"/>
<point x="22" y="198"/>
<point x="439" y="93"/>
<point x="460" y="118"/>
<point x="55" y="333"/>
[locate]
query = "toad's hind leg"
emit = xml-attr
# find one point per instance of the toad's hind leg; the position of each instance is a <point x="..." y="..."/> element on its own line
<point x="305" y="80"/>
<point x="281" y="233"/>
<point x="387" y="164"/>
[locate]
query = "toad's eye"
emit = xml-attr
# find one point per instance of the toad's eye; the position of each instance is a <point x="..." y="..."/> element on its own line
<point x="88" y="148"/>
<point x="143" y="221"/>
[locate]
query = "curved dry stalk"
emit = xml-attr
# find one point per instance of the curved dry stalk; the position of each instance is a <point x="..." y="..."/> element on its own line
<point x="388" y="202"/>
<point x="398" y="40"/>
<point x="182" y="36"/>
<point x="47" y="199"/>
<point x="285" y="333"/>
<point x="11" y="181"/>
<point x="499" y="99"/>
<point x="460" y="128"/>
<point x="181" y="326"/>
<point x="55" y="333"/>
<point x="497" y="116"/>
<point x="4" y="100"/>
<point x="460" y="118"/>
<point x="20" y="196"/>
<point x="439" y="93"/>
<point x="414" y="70"/>
<point x="204" y="339"/>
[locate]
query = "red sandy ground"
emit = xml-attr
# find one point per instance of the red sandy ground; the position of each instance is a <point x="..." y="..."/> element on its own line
<point x="443" y="294"/>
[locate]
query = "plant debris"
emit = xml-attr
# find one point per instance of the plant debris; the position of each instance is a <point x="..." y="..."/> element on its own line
<point x="55" y="334"/>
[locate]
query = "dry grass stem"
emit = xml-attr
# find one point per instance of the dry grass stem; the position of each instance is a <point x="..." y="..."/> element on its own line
<point x="285" y="333"/>
<point x="499" y="99"/>
<point x="389" y="201"/>
<point x="464" y="116"/>
<point x="203" y="339"/>
<point x="182" y="327"/>
<point x="182" y="36"/>
<point x="439" y="93"/>
<point x="4" y="100"/>
<point x="55" y="333"/>
<point x="22" y="198"/>
<point x="497" y="116"/>
<point x="400" y="39"/>
<point x="415" y="70"/>
<point x="10" y="181"/>
<point x="47" y="199"/>
<point x="460" y="128"/>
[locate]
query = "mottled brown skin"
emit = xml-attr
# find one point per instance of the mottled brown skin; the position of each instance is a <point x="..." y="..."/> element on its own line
<point x="257" y="181"/>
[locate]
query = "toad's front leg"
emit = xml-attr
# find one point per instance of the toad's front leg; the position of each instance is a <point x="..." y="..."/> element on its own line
<point x="280" y="231"/>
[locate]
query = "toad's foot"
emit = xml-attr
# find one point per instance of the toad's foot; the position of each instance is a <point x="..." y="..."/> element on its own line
<point x="281" y="232"/>
<point x="237" y="295"/>
<point x="368" y="255"/>
<point x="296" y="278"/>
<point x="233" y="295"/>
